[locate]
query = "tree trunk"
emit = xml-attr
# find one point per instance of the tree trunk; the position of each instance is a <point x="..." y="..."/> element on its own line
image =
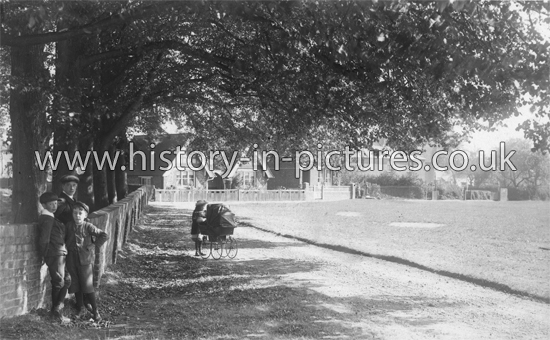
<point x="85" y="187"/>
<point x="67" y="107"/>
<point x="121" y="183"/>
<point x="111" y="182"/>
<point x="121" y="178"/>
<point x="29" y="130"/>
<point x="101" y="197"/>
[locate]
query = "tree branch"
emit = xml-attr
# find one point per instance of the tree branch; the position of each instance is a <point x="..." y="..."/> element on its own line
<point x="44" y="38"/>
<point x="220" y="26"/>
<point x="122" y="122"/>
<point x="92" y="59"/>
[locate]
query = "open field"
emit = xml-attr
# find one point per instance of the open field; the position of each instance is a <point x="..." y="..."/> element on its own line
<point x="505" y="243"/>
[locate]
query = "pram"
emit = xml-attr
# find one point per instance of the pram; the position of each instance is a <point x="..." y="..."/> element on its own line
<point x="217" y="231"/>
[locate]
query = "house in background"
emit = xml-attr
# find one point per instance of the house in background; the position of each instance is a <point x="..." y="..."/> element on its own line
<point x="144" y="156"/>
<point x="244" y="176"/>
<point x="286" y="177"/>
<point x="177" y="175"/>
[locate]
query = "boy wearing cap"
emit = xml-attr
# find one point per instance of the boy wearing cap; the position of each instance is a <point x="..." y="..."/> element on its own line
<point x="69" y="184"/>
<point x="51" y="244"/>
<point x="81" y="248"/>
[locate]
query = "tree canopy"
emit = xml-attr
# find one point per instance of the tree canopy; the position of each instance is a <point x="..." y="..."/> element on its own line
<point x="285" y="75"/>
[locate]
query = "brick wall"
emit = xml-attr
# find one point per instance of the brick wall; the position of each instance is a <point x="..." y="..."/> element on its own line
<point x="25" y="282"/>
<point x="22" y="277"/>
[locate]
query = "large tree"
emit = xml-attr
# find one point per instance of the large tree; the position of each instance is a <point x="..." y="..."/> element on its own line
<point x="282" y="74"/>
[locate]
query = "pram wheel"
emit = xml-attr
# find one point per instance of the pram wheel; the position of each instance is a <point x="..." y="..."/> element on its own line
<point x="230" y="247"/>
<point x="216" y="249"/>
<point x="205" y="248"/>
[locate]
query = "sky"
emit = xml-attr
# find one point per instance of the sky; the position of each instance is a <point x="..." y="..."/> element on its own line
<point x="484" y="140"/>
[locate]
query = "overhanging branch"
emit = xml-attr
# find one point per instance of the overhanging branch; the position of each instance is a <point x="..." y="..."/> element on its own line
<point x="45" y="38"/>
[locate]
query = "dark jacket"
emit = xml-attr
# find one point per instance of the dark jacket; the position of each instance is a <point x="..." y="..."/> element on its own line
<point x="80" y="243"/>
<point x="64" y="211"/>
<point x="51" y="236"/>
<point x="196" y="220"/>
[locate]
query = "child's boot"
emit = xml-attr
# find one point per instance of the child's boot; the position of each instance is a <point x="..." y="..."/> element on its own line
<point x="200" y="249"/>
<point x="55" y="304"/>
<point x="80" y="309"/>
<point x="91" y="297"/>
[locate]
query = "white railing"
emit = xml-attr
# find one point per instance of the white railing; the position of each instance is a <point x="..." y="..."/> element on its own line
<point x="186" y="195"/>
<point x="333" y="193"/>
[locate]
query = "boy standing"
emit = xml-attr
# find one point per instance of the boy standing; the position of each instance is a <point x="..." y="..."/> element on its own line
<point x="69" y="184"/>
<point x="51" y="244"/>
<point x="81" y="248"/>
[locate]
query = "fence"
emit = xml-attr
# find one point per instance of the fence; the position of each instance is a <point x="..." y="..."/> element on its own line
<point x="186" y="195"/>
<point x="329" y="193"/>
<point x="182" y="195"/>
<point x="375" y="190"/>
<point x="480" y="195"/>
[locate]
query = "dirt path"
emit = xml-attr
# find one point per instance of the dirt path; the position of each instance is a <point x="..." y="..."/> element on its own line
<point x="406" y="303"/>
<point x="279" y="288"/>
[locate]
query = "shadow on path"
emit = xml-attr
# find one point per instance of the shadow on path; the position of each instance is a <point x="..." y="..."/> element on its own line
<point x="157" y="289"/>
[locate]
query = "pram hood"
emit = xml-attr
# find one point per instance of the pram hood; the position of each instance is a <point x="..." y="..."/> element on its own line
<point x="218" y="215"/>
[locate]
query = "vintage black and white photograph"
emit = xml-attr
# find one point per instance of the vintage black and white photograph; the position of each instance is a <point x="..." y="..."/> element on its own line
<point x="306" y="169"/>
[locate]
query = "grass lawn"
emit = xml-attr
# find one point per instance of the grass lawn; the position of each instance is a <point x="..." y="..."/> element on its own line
<point x="502" y="242"/>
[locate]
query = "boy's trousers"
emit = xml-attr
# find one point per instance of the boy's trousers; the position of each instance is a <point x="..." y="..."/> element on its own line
<point x="59" y="275"/>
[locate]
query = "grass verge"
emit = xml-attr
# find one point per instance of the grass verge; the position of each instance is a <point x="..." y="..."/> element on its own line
<point x="499" y="243"/>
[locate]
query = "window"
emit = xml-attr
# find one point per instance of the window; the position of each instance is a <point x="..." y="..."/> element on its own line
<point x="185" y="178"/>
<point x="248" y="178"/>
<point x="145" y="180"/>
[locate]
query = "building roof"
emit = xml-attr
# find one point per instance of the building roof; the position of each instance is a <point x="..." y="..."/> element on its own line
<point x="143" y="143"/>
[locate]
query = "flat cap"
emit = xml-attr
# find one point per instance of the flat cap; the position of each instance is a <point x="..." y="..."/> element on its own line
<point x="69" y="178"/>
<point x="82" y="205"/>
<point x="48" y="197"/>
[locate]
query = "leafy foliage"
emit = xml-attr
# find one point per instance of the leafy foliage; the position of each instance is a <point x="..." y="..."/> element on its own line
<point x="532" y="174"/>
<point x="383" y="179"/>
<point x="283" y="74"/>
